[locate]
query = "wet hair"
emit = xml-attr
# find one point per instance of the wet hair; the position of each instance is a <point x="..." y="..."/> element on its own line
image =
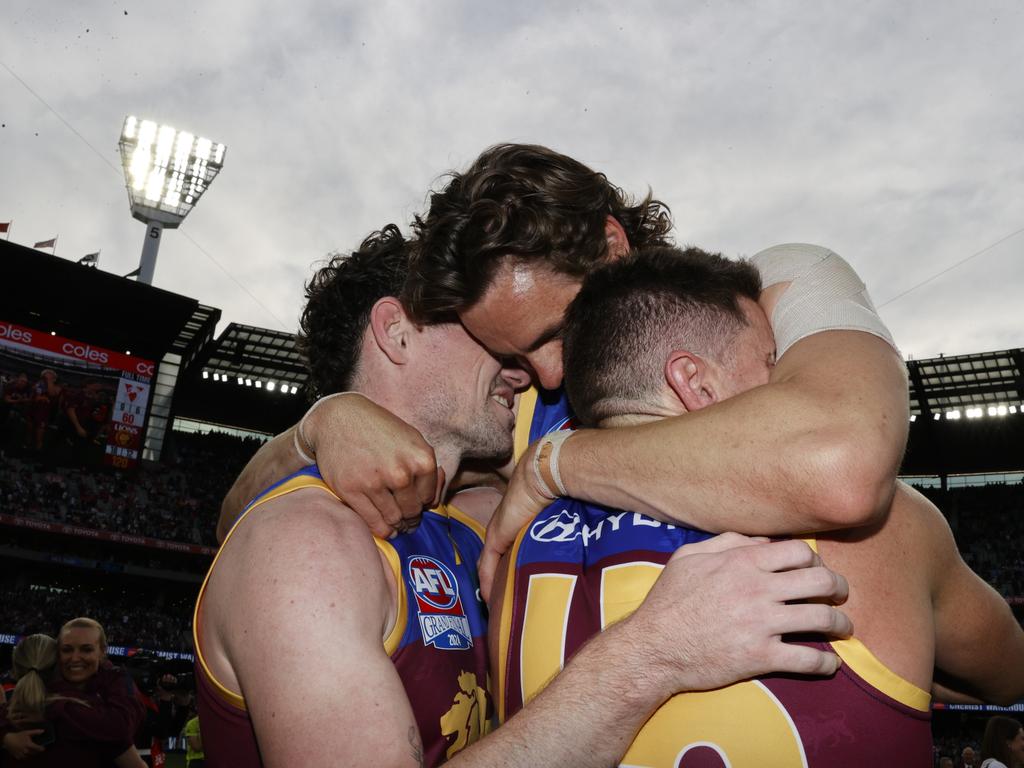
<point x="339" y="298"/>
<point x="526" y="203"/>
<point x="84" y="622"/>
<point x="630" y="314"/>
<point x="32" y="663"/>
<point x="999" y="731"/>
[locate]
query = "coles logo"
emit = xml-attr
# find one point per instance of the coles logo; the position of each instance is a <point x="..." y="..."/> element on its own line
<point x="8" y="331"/>
<point x="144" y="369"/>
<point x="442" y="618"/>
<point x="84" y="352"/>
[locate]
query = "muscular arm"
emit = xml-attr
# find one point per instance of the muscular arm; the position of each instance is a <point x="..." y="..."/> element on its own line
<point x="304" y="638"/>
<point x="274" y="460"/>
<point x="817" y="448"/>
<point x="380" y="466"/>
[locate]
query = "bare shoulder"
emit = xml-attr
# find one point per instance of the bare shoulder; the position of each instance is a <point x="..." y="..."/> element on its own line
<point x="478" y="503"/>
<point x="297" y="556"/>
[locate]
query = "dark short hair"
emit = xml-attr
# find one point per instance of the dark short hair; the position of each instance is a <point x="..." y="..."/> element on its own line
<point x="339" y="298"/>
<point x="631" y="313"/>
<point x="998" y="731"/>
<point x="523" y="202"/>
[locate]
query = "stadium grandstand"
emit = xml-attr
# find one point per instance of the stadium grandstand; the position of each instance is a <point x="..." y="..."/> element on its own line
<point x="123" y="422"/>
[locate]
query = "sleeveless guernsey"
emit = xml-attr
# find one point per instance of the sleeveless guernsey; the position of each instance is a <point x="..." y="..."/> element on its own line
<point x="579" y="567"/>
<point x="438" y="643"/>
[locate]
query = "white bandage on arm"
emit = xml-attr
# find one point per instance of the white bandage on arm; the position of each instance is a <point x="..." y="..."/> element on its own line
<point x="824" y="294"/>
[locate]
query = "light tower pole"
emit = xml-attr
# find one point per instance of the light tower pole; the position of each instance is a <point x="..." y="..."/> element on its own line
<point x="166" y="172"/>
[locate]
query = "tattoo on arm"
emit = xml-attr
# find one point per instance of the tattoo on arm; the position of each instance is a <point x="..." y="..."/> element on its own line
<point x="416" y="746"/>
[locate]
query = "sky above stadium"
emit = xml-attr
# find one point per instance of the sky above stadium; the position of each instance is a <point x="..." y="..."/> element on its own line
<point x="891" y="132"/>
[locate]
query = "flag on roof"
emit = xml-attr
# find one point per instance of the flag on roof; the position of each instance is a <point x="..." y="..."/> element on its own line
<point x="90" y="259"/>
<point x="51" y="243"/>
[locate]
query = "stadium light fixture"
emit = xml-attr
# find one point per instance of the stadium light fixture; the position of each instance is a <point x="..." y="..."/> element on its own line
<point x="913" y="417"/>
<point x="248" y="382"/>
<point x="1012" y="409"/>
<point x="166" y="172"/>
<point x="241" y="381"/>
<point x="271" y="386"/>
<point x="216" y="377"/>
<point x="206" y="374"/>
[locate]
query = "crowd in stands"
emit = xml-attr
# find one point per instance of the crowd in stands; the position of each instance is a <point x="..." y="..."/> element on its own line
<point x="988" y="523"/>
<point x="176" y="501"/>
<point x="131" y="619"/>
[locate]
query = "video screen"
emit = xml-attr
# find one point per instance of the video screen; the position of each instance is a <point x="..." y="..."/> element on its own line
<point x="69" y="403"/>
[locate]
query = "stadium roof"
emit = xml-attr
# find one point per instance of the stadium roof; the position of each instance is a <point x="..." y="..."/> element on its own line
<point x="947" y="384"/>
<point x="246" y="351"/>
<point x="250" y="377"/>
<point x="84" y="303"/>
<point x="967" y="413"/>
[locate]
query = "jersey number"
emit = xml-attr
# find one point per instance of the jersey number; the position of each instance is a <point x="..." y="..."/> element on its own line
<point x="740" y="726"/>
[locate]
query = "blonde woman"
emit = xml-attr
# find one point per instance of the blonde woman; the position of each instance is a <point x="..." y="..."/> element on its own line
<point x="50" y="722"/>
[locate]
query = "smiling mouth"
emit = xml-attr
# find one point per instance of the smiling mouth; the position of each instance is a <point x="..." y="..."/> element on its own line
<point x="503" y="399"/>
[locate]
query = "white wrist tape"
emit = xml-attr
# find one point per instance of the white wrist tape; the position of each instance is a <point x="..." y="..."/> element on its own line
<point x="309" y="461"/>
<point x="825" y="294"/>
<point x="299" y="435"/>
<point x="549" y="457"/>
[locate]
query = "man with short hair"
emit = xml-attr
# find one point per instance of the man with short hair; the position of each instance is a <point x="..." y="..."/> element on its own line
<point x="667" y="333"/>
<point x="316" y="642"/>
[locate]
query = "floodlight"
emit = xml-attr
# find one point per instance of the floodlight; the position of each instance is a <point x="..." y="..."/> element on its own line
<point x="1000" y="410"/>
<point x="248" y="382"/>
<point x="166" y="172"/>
<point x="953" y="414"/>
<point x="241" y="381"/>
<point x="259" y="384"/>
<point x="1013" y="409"/>
<point x="206" y="374"/>
<point x="271" y="386"/>
<point x="991" y="410"/>
<point x="913" y="417"/>
<point x="216" y="377"/>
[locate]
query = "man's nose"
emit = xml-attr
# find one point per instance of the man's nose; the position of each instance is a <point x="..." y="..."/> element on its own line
<point x="547" y="363"/>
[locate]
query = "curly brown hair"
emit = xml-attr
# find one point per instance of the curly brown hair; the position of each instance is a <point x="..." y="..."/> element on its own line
<point x="339" y="298"/>
<point x="522" y="202"/>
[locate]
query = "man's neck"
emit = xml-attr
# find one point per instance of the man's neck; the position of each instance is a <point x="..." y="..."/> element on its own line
<point x="447" y="455"/>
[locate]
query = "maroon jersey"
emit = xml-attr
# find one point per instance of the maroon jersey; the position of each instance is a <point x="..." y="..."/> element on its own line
<point x="438" y="644"/>
<point x="579" y="568"/>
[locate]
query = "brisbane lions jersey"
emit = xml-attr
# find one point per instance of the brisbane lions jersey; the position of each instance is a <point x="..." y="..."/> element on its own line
<point x="438" y="643"/>
<point x="540" y="411"/>
<point x="577" y="568"/>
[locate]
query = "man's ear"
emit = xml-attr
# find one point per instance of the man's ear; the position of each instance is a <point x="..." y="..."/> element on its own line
<point x="618" y="243"/>
<point x="392" y="329"/>
<point x="689" y="377"/>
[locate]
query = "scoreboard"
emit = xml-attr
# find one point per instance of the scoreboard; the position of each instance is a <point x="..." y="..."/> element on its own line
<point x="68" y="391"/>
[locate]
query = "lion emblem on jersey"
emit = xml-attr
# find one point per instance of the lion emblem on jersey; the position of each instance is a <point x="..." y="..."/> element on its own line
<point x="467" y="719"/>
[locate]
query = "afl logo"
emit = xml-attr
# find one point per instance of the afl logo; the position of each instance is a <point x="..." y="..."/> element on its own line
<point x="565" y="526"/>
<point x="433" y="582"/>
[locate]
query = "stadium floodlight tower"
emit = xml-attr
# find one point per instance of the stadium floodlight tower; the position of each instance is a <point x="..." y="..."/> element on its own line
<point x="166" y="171"/>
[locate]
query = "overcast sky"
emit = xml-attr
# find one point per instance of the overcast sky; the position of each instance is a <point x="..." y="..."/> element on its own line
<point x="889" y="131"/>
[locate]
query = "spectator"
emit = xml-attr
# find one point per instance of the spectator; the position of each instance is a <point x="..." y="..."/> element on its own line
<point x="46" y="724"/>
<point x="194" y="757"/>
<point x="1003" y="743"/>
